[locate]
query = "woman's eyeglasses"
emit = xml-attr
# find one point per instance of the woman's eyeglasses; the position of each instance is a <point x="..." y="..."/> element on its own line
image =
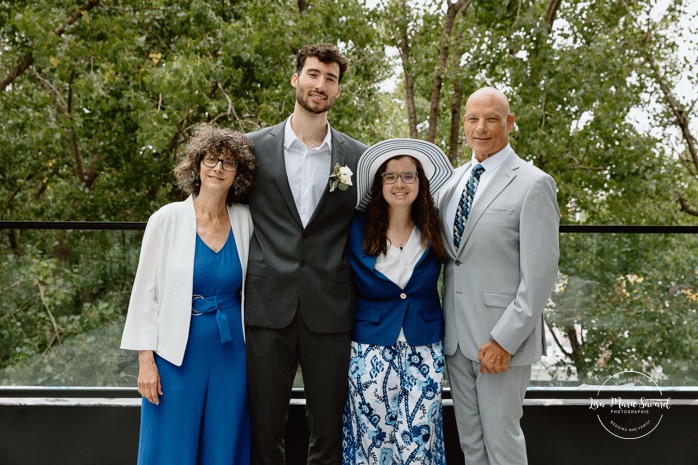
<point x="408" y="177"/>
<point x="228" y="165"/>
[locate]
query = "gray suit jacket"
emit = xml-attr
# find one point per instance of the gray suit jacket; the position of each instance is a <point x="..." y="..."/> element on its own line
<point x="497" y="284"/>
<point x="291" y="267"/>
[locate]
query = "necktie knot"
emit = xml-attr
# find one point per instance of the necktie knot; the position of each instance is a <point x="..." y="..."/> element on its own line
<point x="466" y="203"/>
<point x="477" y="171"/>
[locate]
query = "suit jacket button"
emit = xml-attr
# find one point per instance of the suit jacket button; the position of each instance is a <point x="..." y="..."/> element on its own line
<point x="403" y="296"/>
<point x="302" y="262"/>
<point x="457" y="262"/>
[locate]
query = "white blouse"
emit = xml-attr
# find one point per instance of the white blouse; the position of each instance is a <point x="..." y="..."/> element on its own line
<point x="398" y="263"/>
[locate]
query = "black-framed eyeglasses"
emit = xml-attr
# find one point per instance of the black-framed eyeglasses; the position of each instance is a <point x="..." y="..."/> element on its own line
<point x="211" y="161"/>
<point x="408" y="177"/>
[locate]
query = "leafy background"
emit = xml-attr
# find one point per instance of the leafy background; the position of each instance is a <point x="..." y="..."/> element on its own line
<point x="98" y="97"/>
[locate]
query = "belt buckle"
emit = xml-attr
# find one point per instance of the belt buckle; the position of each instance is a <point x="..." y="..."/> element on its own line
<point x="193" y="311"/>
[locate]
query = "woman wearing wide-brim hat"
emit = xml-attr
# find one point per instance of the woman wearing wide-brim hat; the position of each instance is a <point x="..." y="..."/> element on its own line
<point x="393" y="412"/>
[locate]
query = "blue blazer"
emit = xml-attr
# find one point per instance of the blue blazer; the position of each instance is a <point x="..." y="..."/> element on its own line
<point x="381" y="308"/>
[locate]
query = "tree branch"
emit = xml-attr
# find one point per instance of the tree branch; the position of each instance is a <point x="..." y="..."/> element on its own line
<point x="66" y="108"/>
<point x="686" y="207"/>
<point x="90" y="4"/>
<point x="56" y="329"/>
<point x="12" y="75"/>
<point x="558" y="343"/>
<point x="675" y="107"/>
<point x="28" y="59"/>
<point x="10" y="198"/>
<point x="59" y="102"/>
<point x="551" y="13"/>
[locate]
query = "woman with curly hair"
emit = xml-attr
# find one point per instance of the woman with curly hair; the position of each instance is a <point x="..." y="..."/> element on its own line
<point x="185" y="316"/>
<point x="393" y="412"/>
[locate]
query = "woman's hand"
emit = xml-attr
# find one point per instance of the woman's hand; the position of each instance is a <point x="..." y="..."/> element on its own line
<point x="148" y="377"/>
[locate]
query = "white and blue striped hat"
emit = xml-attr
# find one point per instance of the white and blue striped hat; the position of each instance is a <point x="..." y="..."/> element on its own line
<point x="435" y="163"/>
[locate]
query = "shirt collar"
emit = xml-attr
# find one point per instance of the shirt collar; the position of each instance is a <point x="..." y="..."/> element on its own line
<point x="290" y="137"/>
<point x="493" y="162"/>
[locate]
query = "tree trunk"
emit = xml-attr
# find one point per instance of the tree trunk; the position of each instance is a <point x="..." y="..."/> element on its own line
<point x="451" y="13"/>
<point x="399" y="28"/>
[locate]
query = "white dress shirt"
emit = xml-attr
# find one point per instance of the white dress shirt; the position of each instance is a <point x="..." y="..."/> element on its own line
<point x="398" y="264"/>
<point x="491" y="165"/>
<point x="308" y="170"/>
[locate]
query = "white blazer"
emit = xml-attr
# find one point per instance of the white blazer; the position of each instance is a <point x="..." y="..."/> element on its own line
<point x="159" y="311"/>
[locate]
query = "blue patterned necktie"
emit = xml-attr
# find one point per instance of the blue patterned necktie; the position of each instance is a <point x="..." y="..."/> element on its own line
<point x="466" y="201"/>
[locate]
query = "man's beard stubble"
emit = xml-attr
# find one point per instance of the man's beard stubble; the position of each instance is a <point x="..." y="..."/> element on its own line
<point x="316" y="111"/>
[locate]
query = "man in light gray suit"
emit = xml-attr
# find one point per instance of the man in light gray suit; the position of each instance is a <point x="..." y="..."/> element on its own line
<point x="500" y="222"/>
<point x="298" y="291"/>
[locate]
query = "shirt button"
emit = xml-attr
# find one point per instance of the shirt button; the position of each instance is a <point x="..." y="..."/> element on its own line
<point x="403" y="296"/>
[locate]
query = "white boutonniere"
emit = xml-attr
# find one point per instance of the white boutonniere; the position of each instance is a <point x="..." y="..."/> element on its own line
<point x="340" y="178"/>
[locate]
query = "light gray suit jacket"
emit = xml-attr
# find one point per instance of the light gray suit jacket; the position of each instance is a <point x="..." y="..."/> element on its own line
<point x="290" y="266"/>
<point x="497" y="284"/>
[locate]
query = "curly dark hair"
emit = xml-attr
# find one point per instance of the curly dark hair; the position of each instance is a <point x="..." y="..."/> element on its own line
<point x="223" y="143"/>
<point x="423" y="214"/>
<point x="326" y="53"/>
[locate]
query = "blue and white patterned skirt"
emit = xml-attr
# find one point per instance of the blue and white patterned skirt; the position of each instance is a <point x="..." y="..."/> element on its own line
<point x="393" y="413"/>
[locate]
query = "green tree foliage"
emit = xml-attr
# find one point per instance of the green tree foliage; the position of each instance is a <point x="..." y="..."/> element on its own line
<point x="576" y="73"/>
<point x="97" y="98"/>
<point x="95" y="121"/>
<point x="99" y="118"/>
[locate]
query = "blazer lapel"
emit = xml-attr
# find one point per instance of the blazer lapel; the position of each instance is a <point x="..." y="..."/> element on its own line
<point x="338" y="156"/>
<point x="491" y="192"/>
<point x="370" y="264"/>
<point x="275" y="148"/>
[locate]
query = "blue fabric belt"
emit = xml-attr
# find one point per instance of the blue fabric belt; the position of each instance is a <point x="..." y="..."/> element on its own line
<point x="217" y="303"/>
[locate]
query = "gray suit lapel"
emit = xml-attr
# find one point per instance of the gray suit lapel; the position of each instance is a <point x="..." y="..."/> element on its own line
<point x="275" y="149"/>
<point x="492" y="191"/>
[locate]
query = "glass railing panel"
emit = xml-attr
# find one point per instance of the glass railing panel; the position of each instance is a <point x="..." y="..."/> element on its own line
<point x="64" y="299"/>
<point x="625" y="300"/>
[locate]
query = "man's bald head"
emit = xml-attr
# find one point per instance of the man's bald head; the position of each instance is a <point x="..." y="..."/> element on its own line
<point x="487" y="122"/>
<point x="493" y="95"/>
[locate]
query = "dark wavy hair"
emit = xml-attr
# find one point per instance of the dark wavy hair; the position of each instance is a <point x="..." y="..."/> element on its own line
<point x="326" y="53"/>
<point x="423" y="214"/>
<point x="223" y="143"/>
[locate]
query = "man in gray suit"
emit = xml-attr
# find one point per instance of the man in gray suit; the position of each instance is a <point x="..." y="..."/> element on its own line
<point x="500" y="226"/>
<point x="298" y="291"/>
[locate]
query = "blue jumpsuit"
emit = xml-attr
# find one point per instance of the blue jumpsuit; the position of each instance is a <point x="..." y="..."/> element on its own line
<point x="203" y="416"/>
